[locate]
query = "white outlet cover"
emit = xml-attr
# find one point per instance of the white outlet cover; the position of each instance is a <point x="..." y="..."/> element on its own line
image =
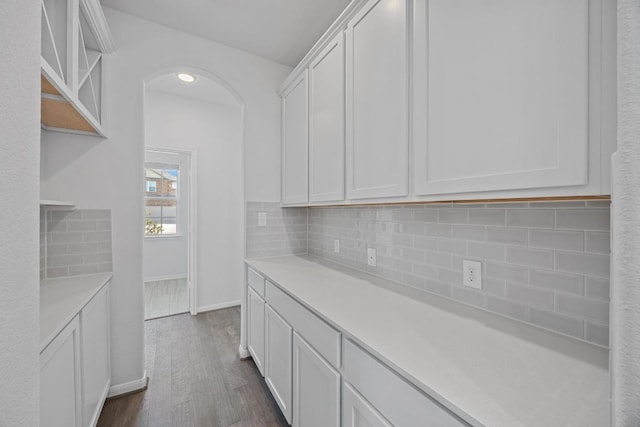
<point x="336" y="246"/>
<point x="371" y="257"/>
<point x="262" y="219"/>
<point x="472" y="274"/>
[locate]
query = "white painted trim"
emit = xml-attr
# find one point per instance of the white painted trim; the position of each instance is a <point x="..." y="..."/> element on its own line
<point x="340" y="24"/>
<point x="98" y="23"/>
<point x="191" y="236"/>
<point x="168" y="277"/>
<point x="219" y="306"/>
<point x="192" y="247"/>
<point x="131" y="386"/>
<point x="96" y="415"/>
<point x="243" y="352"/>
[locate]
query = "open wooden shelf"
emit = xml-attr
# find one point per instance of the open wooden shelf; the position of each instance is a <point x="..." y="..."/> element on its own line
<point x="75" y="38"/>
<point x="58" y="113"/>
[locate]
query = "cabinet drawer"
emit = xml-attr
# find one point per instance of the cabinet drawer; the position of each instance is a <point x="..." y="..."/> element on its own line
<point x="324" y="339"/>
<point x="398" y="401"/>
<point x="256" y="281"/>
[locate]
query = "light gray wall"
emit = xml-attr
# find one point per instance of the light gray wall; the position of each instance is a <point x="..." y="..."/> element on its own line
<point x="625" y="290"/>
<point x="19" y="175"/>
<point x="214" y="132"/>
<point x="106" y="173"/>
<point x="546" y="264"/>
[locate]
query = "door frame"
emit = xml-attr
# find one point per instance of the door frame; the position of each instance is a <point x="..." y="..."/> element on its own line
<point x="191" y="221"/>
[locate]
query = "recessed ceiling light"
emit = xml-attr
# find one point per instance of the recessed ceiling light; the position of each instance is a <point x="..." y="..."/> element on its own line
<point x="188" y="78"/>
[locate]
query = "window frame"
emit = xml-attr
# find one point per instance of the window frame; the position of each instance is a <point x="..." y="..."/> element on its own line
<point x="163" y="167"/>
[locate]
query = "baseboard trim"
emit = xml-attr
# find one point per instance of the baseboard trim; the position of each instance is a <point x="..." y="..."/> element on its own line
<point x="218" y="306"/>
<point x="135" y="386"/>
<point x="244" y="353"/>
<point x="103" y="398"/>
<point x="169" y="277"/>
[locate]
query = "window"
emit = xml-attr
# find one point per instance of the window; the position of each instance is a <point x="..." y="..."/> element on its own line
<point x="161" y="200"/>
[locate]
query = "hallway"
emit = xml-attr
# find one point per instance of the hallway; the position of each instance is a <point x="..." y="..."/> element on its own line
<point x="196" y="378"/>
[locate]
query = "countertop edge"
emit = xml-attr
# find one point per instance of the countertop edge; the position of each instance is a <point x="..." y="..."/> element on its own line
<point x="422" y="387"/>
<point x="101" y="280"/>
<point x="390" y="286"/>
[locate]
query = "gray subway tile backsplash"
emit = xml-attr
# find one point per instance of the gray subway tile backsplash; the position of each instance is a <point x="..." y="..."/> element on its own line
<point x="583" y="219"/>
<point x="557" y="239"/>
<point x="285" y="232"/>
<point x="544" y="263"/>
<point x="535" y="218"/>
<point x="75" y="242"/>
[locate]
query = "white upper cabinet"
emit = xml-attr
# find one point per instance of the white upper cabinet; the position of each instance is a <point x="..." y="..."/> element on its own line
<point x="326" y="122"/>
<point x="295" y="143"/>
<point x="508" y="96"/>
<point x="75" y="39"/>
<point x="377" y="137"/>
<point x="454" y="100"/>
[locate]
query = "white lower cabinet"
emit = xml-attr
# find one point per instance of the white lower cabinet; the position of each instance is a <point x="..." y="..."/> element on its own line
<point x="255" y="331"/>
<point x="60" y="385"/>
<point x="396" y="400"/>
<point x="277" y="361"/>
<point x="96" y="366"/>
<point x="319" y="378"/>
<point x="316" y="388"/>
<point x="357" y="412"/>
<point x="75" y="368"/>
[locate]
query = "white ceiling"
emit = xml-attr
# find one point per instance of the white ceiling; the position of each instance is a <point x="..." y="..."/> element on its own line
<point x="279" y="30"/>
<point x="202" y="88"/>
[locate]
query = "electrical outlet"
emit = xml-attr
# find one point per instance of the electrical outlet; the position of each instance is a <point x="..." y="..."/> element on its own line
<point x="472" y="274"/>
<point x="371" y="256"/>
<point x="262" y="219"/>
<point x="336" y="246"/>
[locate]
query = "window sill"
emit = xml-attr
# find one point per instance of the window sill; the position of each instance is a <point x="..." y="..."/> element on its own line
<point x="166" y="236"/>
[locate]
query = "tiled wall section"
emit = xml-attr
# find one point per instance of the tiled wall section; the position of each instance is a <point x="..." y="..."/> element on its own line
<point x="544" y="263"/>
<point x="284" y="234"/>
<point x="78" y="242"/>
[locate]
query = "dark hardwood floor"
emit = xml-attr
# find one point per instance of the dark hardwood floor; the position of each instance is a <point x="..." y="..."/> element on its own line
<point x="196" y="378"/>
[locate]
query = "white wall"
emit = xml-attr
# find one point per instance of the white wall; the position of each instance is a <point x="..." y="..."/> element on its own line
<point x="214" y="132"/>
<point x="625" y="219"/>
<point x="99" y="173"/>
<point x="19" y="212"/>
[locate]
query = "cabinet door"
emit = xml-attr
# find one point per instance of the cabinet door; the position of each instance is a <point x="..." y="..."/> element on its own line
<point x="316" y="388"/>
<point x="326" y="121"/>
<point x="60" y="398"/>
<point x="377" y="101"/>
<point x="357" y="412"/>
<point x="255" y="338"/>
<point x="277" y="370"/>
<point x="295" y="143"/>
<point x="96" y="360"/>
<point x="501" y="95"/>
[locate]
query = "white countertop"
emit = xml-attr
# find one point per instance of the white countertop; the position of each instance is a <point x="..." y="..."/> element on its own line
<point x="62" y="298"/>
<point x="488" y="369"/>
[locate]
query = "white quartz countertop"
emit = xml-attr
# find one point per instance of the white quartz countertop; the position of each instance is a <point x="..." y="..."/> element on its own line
<point x="62" y="298"/>
<point x="487" y="369"/>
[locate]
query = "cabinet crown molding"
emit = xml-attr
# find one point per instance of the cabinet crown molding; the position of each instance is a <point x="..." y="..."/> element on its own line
<point x="98" y="22"/>
<point x="340" y="24"/>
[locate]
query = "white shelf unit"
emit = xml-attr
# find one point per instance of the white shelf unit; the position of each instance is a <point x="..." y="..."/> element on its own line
<point x="75" y="40"/>
<point x="56" y="204"/>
